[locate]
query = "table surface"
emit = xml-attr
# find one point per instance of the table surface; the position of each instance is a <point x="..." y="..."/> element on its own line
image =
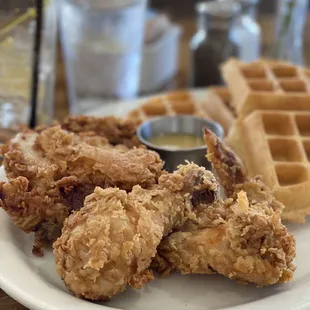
<point x="61" y="103"/>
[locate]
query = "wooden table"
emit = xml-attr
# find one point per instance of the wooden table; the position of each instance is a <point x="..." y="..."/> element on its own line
<point x="61" y="102"/>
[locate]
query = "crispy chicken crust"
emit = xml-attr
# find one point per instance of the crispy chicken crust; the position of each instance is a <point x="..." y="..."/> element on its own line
<point x="111" y="241"/>
<point x="135" y="215"/>
<point x="115" y="130"/>
<point x="51" y="172"/>
<point x="241" y="238"/>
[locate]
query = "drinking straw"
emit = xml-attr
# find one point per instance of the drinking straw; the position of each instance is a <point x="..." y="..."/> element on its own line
<point x="36" y="64"/>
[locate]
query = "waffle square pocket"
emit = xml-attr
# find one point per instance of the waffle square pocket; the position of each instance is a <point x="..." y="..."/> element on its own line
<point x="276" y="145"/>
<point x="213" y="103"/>
<point x="267" y="85"/>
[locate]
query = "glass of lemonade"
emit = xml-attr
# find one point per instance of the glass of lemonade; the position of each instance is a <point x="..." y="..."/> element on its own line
<point x="17" y="27"/>
<point x="102" y="42"/>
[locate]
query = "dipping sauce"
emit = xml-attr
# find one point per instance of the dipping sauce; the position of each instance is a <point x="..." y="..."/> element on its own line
<point x="176" y="141"/>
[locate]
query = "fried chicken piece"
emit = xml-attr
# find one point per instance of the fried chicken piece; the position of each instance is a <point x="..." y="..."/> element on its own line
<point x="227" y="166"/>
<point x="111" y="241"/>
<point x="233" y="176"/>
<point x="94" y="164"/>
<point x="241" y="238"/>
<point x="115" y="130"/>
<point x="50" y="173"/>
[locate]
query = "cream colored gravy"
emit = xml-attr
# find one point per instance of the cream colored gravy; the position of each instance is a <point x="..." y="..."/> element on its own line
<point x="177" y="141"/>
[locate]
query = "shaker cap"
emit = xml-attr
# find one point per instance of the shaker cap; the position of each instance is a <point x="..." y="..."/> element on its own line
<point x="219" y="9"/>
<point x="219" y="14"/>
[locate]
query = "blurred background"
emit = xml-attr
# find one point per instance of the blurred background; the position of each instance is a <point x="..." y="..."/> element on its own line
<point x="93" y="52"/>
<point x="187" y="7"/>
<point x="185" y="15"/>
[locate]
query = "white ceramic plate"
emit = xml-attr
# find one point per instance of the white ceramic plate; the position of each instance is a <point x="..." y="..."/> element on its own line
<point x="34" y="283"/>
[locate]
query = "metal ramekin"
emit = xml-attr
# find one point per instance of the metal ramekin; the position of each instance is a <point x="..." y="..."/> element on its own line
<point x="185" y="124"/>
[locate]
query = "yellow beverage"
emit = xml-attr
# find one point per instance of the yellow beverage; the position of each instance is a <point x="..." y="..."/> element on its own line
<point x="17" y="27"/>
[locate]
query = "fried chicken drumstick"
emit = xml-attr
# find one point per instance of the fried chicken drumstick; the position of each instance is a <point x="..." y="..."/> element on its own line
<point x="51" y="172"/>
<point x="111" y="241"/>
<point x="241" y="238"/>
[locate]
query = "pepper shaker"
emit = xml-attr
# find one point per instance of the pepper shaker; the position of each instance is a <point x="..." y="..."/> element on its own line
<point x="212" y="44"/>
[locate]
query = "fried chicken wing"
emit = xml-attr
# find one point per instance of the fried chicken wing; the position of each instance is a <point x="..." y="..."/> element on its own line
<point x="241" y="238"/>
<point x="115" y="130"/>
<point x="233" y="176"/>
<point x="51" y="172"/>
<point x="227" y="166"/>
<point x="88" y="163"/>
<point x="111" y="241"/>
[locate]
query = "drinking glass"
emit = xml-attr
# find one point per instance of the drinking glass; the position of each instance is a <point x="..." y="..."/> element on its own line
<point x="289" y="31"/>
<point x="102" y="43"/>
<point x="17" y="27"/>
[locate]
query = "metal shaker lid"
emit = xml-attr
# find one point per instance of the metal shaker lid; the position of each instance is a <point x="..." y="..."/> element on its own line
<point x="220" y="9"/>
<point x="219" y="14"/>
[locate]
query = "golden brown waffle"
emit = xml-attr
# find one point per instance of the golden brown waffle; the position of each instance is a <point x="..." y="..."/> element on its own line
<point x="210" y="104"/>
<point x="276" y="145"/>
<point x="267" y="85"/>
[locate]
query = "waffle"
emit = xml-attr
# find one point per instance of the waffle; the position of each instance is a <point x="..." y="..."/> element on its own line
<point x="225" y="96"/>
<point x="276" y="145"/>
<point x="211" y="104"/>
<point x="267" y="85"/>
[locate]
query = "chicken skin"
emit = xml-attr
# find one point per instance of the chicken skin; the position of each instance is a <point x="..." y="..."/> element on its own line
<point x="111" y="241"/>
<point x="51" y="172"/>
<point x="117" y="131"/>
<point x="241" y="238"/>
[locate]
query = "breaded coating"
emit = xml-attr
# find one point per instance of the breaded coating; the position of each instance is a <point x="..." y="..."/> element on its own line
<point x="51" y="172"/>
<point x="115" y="130"/>
<point x="111" y="241"/>
<point x="241" y="238"/>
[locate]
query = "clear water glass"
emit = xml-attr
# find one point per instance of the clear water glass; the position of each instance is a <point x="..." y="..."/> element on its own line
<point x="102" y="43"/>
<point x="289" y="30"/>
<point x="17" y="27"/>
<point x="247" y="33"/>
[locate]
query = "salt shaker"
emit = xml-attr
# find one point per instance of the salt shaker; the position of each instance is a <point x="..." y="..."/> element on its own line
<point x="212" y="44"/>
<point x="247" y="33"/>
